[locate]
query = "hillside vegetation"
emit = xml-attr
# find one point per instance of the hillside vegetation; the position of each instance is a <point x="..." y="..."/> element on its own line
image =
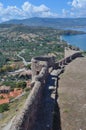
<point x="27" y="42"/>
<point x="34" y="40"/>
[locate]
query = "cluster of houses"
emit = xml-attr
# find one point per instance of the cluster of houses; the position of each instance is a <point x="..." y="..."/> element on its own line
<point x="5" y="91"/>
<point x="6" y="94"/>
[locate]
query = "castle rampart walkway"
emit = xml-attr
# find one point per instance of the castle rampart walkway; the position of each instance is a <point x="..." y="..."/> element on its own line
<point x="72" y="95"/>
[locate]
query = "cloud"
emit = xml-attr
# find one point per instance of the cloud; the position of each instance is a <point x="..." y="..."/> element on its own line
<point x="65" y="13"/>
<point x="78" y="8"/>
<point x="25" y="11"/>
<point x="38" y="11"/>
<point x="10" y="12"/>
<point x="29" y="7"/>
<point x="79" y="4"/>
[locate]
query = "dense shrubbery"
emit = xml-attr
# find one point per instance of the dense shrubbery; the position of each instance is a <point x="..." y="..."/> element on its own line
<point x="14" y="84"/>
<point x="28" y="66"/>
<point x="36" y="46"/>
<point x="10" y="83"/>
<point x="37" y="49"/>
<point x="84" y="53"/>
<point x="6" y="68"/>
<point x="2" y="59"/>
<point x="4" y="107"/>
<point x="27" y="89"/>
<point x="21" y="84"/>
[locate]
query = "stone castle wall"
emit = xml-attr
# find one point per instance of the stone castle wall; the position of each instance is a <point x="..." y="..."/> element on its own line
<point x="40" y="70"/>
<point x="68" y="59"/>
<point x="39" y="62"/>
<point x="26" y="118"/>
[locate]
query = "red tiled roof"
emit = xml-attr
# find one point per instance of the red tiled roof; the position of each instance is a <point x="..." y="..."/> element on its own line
<point x="2" y="101"/>
<point x="7" y="97"/>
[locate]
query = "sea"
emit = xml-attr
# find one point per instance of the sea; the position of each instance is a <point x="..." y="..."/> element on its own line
<point x="76" y="40"/>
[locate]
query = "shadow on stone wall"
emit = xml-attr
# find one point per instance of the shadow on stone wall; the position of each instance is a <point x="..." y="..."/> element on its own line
<point x="45" y="114"/>
<point x="56" y="114"/>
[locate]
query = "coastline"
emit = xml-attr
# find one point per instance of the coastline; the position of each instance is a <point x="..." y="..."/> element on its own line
<point x="77" y="41"/>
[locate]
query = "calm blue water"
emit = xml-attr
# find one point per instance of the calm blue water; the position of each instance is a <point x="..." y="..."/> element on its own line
<point x="77" y="40"/>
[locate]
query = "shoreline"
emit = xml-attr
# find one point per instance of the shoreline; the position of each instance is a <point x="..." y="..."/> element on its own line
<point x="80" y="41"/>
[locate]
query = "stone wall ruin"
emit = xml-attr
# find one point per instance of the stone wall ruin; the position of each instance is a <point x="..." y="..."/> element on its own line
<point x="40" y="70"/>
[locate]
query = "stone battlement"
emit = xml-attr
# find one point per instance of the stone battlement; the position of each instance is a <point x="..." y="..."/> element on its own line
<point x="40" y="71"/>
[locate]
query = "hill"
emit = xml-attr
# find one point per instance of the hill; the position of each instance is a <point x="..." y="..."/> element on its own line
<point x="18" y="41"/>
<point x="51" y="22"/>
<point x="35" y="41"/>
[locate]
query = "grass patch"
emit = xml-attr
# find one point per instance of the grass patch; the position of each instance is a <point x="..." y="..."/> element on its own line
<point x="84" y="53"/>
<point x="65" y="111"/>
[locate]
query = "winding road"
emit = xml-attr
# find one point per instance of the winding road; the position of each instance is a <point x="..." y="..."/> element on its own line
<point x="24" y="62"/>
<point x="23" y="59"/>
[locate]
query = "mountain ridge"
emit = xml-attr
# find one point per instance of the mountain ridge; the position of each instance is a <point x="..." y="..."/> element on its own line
<point x="50" y="22"/>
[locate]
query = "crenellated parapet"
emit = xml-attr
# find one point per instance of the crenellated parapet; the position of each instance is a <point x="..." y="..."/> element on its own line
<point x="68" y="59"/>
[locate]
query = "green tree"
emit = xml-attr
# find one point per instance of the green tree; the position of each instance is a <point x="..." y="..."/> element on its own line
<point x="28" y="66"/>
<point x="21" y="84"/>
<point x="4" y="107"/>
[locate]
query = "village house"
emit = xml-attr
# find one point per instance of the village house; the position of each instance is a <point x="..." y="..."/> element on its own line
<point x="4" y="89"/>
<point x="6" y="94"/>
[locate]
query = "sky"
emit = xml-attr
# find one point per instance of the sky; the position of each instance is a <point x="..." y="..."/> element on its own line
<point x="22" y="9"/>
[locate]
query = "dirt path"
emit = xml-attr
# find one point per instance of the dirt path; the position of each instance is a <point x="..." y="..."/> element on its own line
<point x="72" y="95"/>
